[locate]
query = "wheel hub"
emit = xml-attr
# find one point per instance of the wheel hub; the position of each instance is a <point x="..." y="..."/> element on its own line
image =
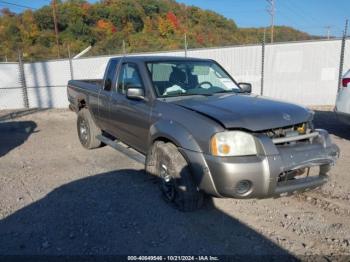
<point x="167" y="186"/>
<point x="83" y="130"/>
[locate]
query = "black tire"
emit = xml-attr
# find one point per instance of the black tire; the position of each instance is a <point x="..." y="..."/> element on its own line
<point x="87" y="130"/>
<point x="176" y="181"/>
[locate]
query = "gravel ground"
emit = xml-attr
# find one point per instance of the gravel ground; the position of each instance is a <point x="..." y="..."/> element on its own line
<point x="58" y="198"/>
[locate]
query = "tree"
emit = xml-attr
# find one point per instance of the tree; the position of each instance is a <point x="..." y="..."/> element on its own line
<point x="145" y="25"/>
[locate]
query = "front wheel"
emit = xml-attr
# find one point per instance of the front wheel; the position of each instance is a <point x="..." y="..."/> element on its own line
<point x="87" y="130"/>
<point x="176" y="181"/>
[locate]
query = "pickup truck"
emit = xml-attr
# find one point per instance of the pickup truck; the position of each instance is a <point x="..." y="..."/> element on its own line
<point x="200" y="131"/>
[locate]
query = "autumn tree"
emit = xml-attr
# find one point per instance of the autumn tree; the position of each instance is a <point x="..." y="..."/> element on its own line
<point x="145" y="25"/>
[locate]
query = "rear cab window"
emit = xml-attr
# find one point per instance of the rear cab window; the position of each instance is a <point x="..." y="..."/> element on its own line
<point x="111" y="72"/>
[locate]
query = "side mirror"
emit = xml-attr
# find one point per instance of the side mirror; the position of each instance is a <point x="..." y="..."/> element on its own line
<point x="136" y="93"/>
<point x="245" y="87"/>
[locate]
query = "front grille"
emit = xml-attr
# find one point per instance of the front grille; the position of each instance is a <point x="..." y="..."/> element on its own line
<point x="299" y="130"/>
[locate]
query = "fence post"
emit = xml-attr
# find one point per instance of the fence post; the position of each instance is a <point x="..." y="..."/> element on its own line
<point x="342" y="53"/>
<point x="70" y="64"/>
<point x="185" y="42"/>
<point x="262" y="64"/>
<point x="22" y="80"/>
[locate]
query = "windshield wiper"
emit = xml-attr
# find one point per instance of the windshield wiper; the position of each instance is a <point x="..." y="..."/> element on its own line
<point x="185" y="94"/>
<point x="227" y="91"/>
<point x="205" y="94"/>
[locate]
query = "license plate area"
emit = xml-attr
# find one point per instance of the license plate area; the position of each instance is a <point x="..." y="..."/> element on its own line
<point x="300" y="173"/>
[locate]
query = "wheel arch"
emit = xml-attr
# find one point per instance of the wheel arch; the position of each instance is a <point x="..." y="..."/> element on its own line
<point x="81" y="103"/>
<point x="170" y="131"/>
<point x="167" y="131"/>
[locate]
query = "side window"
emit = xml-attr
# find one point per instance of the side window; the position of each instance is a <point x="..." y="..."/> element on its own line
<point x="110" y="74"/>
<point x="129" y="76"/>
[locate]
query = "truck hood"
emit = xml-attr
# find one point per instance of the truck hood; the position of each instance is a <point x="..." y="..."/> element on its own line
<point x="251" y="112"/>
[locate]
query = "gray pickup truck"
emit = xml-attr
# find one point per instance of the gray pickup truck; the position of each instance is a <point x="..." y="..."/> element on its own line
<point x="200" y="131"/>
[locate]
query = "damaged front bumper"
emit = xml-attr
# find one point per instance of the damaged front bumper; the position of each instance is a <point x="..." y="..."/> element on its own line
<point x="273" y="172"/>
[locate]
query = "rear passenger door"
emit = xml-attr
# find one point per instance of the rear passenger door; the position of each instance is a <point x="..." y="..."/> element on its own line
<point x="105" y="95"/>
<point x="130" y="117"/>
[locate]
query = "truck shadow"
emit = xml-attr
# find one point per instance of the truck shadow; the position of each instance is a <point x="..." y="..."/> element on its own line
<point x="14" y="134"/>
<point x="121" y="212"/>
<point x="328" y="120"/>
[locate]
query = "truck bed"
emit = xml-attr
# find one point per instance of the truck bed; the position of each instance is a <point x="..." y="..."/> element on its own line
<point x="84" y="82"/>
<point x="84" y="89"/>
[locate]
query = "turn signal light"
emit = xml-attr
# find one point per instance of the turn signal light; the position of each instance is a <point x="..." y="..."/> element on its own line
<point x="345" y="82"/>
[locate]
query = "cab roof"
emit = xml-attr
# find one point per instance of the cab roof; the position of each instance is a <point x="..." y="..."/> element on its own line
<point x="162" y="58"/>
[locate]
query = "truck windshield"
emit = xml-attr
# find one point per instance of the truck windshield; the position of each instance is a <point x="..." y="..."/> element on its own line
<point x="179" y="78"/>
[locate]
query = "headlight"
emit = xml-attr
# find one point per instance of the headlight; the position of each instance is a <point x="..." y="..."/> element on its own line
<point x="233" y="143"/>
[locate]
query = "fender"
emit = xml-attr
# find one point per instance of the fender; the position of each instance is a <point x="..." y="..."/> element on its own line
<point x="188" y="147"/>
<point x="174" y="132"/>
<point x="87" y="102"/>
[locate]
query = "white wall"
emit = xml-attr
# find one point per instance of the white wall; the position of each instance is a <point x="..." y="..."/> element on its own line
<point x="300" y="72"/>
<point x="10" y="87"/>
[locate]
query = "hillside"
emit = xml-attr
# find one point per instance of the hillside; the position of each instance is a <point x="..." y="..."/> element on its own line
<point x="281" y="34"/>
<point x="144" y="25"/>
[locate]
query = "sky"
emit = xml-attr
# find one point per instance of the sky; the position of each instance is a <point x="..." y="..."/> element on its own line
<point x="311" y="16"/>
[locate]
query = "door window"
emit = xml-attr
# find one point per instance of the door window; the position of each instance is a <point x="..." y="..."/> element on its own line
<point x="129" y="77"/>
<point x="110" y="74"/>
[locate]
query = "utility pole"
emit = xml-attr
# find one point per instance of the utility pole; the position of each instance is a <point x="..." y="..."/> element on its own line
<point x="56" y="27"/>
<point x="328" y="28"/>
<point x="271" y="11"/>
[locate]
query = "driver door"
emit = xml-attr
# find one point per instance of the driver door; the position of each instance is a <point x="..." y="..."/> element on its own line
<point x="130" y="117"/>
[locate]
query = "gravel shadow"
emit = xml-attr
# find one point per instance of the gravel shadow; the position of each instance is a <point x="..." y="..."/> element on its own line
<point x="122" y="212"/>
<point x="14" y="134"/>
<point x="19" y="113"/>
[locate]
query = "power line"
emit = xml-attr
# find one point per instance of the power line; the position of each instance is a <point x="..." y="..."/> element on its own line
<point x="316" y="19"/>
<point x="306" y="17"/>
<point x="18" y="5"/>
<point x="298" y="13"/>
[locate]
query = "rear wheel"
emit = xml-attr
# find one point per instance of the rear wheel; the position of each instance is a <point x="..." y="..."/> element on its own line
<point x="87" y="130"/>
<point x="176" y="181"/>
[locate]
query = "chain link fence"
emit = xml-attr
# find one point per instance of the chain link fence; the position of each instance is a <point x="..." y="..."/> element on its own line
<point x="299" y="72"/>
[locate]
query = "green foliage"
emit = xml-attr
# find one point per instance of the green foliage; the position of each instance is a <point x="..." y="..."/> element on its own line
<point x="281" y="34"/>
<point x="144" y="25"/>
